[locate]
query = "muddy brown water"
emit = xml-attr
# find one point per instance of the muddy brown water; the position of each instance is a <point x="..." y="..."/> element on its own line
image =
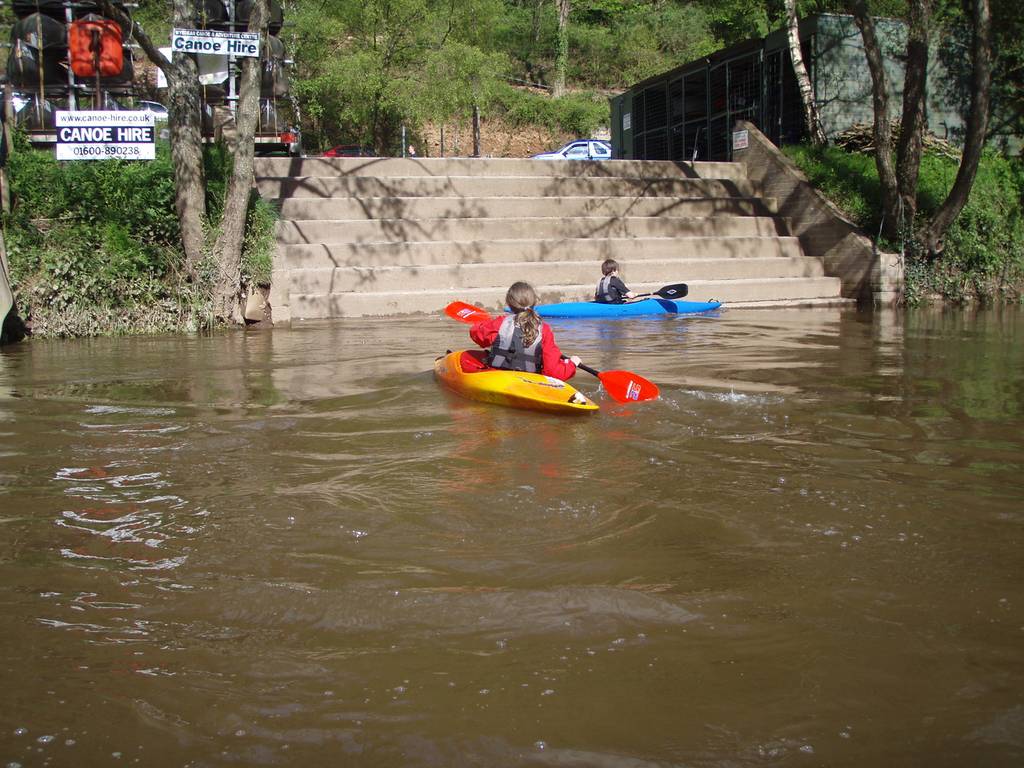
<point x="289" y="547"/>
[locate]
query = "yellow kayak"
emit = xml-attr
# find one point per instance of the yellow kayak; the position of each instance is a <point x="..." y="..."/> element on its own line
<point x="517" y="389"/>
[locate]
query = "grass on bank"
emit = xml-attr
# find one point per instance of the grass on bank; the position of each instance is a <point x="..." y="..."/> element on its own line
<point x="94" y="247"/>
<point x="984" y="248"/>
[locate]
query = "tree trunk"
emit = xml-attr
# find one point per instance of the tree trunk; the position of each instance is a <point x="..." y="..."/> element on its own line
<point x="882" y="134"/>
<point x="812" y="121"/>
<point x="562" y="54"/>
<point x="977" y="129"/>
<point x="183" y="120"/>
<point x="912" y="125"/>
<point x="227" y="290"/>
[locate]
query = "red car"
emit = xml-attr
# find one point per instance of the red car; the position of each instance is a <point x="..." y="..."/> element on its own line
<point x="349" y="150"/>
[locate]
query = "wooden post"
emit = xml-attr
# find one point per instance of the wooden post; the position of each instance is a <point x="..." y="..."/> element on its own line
<point x="476" y="131"/>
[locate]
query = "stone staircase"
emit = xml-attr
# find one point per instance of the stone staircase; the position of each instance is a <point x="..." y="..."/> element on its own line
<point x="387" y="236"/>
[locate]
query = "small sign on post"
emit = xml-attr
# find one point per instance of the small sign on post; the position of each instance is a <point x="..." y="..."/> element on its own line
<point x="215" y="42"/>
<point x="740" y="139"/>
<point x="105" y="135"/>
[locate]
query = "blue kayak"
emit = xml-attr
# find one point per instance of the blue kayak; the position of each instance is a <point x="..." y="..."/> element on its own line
<point x="629" y="309"/>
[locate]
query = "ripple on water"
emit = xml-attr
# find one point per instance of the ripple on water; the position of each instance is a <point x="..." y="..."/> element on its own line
<point x="261" y="549"/>
<point x="450" y="614"/>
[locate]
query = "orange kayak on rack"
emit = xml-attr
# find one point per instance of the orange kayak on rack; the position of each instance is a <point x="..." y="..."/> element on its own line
<point x="516" y="389"/>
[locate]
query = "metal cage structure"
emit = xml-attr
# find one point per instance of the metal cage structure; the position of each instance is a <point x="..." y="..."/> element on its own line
<point x="689" y="113"/>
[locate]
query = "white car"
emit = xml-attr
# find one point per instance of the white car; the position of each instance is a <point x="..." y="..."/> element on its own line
<point x="159" y="110"/>
<point x="581" y="149"/>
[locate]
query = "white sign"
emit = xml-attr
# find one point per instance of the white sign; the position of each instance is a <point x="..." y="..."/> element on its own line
<point x="740" y="139"/>
<point x="214" y="41"/>
<point x="627" y="120"/>
<point x="112" y="135"/>
<point x="213" y="68"/>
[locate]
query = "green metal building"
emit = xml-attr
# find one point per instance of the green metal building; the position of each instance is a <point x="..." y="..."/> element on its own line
<point x="689" y="112"/>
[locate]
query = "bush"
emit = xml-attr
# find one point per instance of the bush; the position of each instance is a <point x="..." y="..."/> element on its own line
<point x="137" y="196"/>
<point x="579" y="114"/>
<point x="849" y="180"/>
<point x="984" y="247"/>
<point x="95" y="247"/>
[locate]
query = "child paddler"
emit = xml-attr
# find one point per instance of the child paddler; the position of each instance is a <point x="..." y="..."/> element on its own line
<point x="520" y="341"/>
<point x="611" y="289"/>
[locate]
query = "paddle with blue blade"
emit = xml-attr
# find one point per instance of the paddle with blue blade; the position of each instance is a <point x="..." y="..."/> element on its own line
<point x="623" y="386"/>
<point x="674" y="291"/>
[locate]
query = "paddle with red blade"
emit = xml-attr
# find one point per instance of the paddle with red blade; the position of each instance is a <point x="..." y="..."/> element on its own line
<point x="466" y="313"/>
<point x="674" y="291"/>
<point x="623" y="386"/>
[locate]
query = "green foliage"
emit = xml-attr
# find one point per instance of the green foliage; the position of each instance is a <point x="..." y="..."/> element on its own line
<point x="258" y="245"/>
<point x="365" y="68"/>
<point x="94" y="247"/>
<point x="368" y="68"/>
<point x="1006" y="114"/>
<point x="258" y="248"/>
<point x="641" y="42"/>
<point x="733" y="21"/>
<point x="988" y="235"/>
<point x="579" y="114"/>
<point x="1008" y="76"/>
<point x="155" y="17"/>
<point x="850" y="180"/>
<point x="124" y="207"/>
<point x="453" y="79"/>
<point x="984" y="247"/>
<point x="526" y="33"/>
<point x="77" y="279"/>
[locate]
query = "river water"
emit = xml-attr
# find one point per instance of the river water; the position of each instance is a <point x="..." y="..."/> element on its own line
<point x="289" y="547"/>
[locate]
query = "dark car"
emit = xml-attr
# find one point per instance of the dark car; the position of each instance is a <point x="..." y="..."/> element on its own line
<point x="349" y="150"/>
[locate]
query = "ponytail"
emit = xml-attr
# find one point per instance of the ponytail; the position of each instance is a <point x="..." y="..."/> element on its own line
<point x="521" y="299"/>
<point x="530" y="322"/>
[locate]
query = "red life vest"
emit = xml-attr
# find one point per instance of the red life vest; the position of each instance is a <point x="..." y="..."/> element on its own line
<point x="94" y="45"/>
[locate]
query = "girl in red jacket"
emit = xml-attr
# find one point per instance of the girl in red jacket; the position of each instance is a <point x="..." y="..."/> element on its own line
<point x="520" y="341"/>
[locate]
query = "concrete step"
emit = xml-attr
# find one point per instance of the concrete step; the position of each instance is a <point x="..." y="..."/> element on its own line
<point x="385" y="236"/>
<point x="835" y="301"/>
<point x="469" y="166"/>
<point x="628" y="251"/>
<point x="290" y="232"/>
<point x="285" y="187"/>
<point x="420" y="208"/>
<point x="461" y="276"/>
<point x="308" y="306"/>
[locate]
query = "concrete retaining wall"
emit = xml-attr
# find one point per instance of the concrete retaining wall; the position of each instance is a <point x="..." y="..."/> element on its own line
<point x="867" y="274"/>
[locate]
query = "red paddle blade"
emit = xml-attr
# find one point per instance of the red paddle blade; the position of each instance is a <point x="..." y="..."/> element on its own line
<point x="466" y="313"/>
<point x="626" y="386"/>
